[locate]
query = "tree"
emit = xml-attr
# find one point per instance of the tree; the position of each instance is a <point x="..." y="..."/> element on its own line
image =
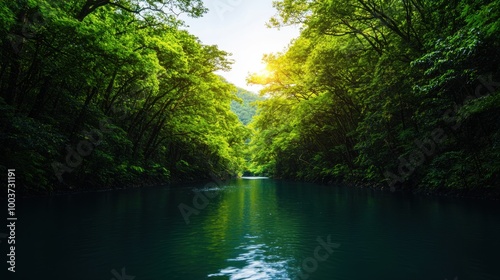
<point x="383" y="92"/>
<point x="112" y="93"/>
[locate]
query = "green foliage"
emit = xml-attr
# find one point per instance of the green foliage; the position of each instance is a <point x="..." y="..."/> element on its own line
<point x="112" y="93"/>
<point x="246" y="107"/>
<point x="403" y="93"/>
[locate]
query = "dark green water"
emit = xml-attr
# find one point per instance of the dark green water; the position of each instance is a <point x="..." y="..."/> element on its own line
<point x="256" y="229"/>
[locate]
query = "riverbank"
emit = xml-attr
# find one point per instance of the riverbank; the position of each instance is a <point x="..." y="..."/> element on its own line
<point x="94" y="188"/>
<point x="485" y="193"/>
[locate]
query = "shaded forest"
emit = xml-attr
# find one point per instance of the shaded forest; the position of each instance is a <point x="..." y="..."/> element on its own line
<point x="99" y="94"/>
<point x="399" y="94"/>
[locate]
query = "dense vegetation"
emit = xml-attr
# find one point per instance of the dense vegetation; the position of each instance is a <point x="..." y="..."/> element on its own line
<point x="246" y="107"/>
<point x="112" y="93"/>
<point x="402" y="94"/>
<point x="397" y="93"/>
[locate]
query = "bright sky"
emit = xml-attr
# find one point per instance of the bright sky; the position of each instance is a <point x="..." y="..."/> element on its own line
<point x="238" y="27"/>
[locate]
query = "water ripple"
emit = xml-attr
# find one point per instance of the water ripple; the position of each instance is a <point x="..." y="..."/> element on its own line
<point x="255" y="262"/>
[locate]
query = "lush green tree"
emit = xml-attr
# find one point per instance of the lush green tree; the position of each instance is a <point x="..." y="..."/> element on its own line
<point x="112" y="93"/>
<point x="394" y="93"/>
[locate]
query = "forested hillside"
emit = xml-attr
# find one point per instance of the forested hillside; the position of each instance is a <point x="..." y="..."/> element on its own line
<point x="112" y="93"/>
<point x="403" y="94"/>
<point x="246" y="107"/>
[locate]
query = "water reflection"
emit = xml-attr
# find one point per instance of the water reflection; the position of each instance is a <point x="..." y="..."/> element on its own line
<point x="255" y="262"/>
<point x="253" y="225"/>
<point x="257" y="229"/>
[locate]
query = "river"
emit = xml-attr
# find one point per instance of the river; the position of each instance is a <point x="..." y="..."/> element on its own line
<point x="256" y="229"/>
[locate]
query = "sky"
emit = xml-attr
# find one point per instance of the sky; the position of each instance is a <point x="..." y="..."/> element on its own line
<point x="239" y="27"/>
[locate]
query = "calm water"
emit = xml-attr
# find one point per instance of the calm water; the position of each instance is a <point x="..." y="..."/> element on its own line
<point x="256" y="229"/>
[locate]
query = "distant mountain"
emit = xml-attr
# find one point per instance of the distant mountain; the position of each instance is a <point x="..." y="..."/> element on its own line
<point x="247" y="109"/>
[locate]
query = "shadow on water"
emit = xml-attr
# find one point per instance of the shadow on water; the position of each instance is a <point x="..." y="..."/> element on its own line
<point x="257" y="229"/>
